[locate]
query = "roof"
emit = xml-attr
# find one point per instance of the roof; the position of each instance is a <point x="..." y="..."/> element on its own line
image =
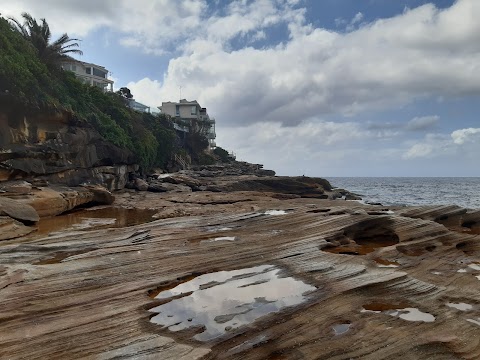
<point x="182" y="102"/>
<point x="72" y="60"/>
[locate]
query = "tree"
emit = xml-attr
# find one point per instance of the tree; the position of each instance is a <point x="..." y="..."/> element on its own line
<point x="39" y="35"/>
<point x="125" y="92"/>
<point x="222" y="154"/>
<point x="196" y="142"/>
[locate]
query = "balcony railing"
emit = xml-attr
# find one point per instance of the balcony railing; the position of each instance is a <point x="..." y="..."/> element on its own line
<point x="206" y="118"/>
<point x="180" y="127"/>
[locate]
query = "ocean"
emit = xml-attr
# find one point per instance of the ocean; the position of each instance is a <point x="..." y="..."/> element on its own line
<point x="402" y="191"/>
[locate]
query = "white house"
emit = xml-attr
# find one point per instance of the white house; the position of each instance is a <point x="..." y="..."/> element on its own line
<point x="92" y="74"/>
<point x="192" y="113"/>
<point x="135" y="105"/>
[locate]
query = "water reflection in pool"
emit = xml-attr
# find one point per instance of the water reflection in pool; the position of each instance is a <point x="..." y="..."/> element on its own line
<point x="95" y="218"/>
<point x="222" y="301"/>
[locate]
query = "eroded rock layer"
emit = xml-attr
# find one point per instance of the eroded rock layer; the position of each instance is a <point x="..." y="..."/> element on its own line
<point x="384" y="283"/>
<point x="62" y="149"/>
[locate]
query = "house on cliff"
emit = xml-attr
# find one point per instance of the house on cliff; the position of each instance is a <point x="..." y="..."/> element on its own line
<point x="92" y="74"/>
<point x="189" y="115"/>
<point x="135" y="105"/>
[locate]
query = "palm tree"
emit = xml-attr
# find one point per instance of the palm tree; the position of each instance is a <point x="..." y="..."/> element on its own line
<point x="39" y="35"/>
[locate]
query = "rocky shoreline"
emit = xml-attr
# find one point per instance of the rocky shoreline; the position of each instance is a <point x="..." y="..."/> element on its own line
<point x="22" y="203"/>
<point x="374" y="282"/>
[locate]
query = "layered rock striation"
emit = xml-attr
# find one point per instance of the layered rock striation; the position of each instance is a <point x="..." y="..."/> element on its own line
<point x="375" y="282"/>
<point x="61" y="149"/>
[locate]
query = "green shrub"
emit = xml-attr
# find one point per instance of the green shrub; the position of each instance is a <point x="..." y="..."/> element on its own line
<point x="205" y="159"/>
<point x="28" y="84"/>
<point x="222" y="154"/>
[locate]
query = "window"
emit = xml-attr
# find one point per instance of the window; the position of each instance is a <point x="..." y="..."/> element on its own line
<point x="88" y="70"/>
<point x="69" y="67"/>
<point x="193" y="111"/>
<point x="99" y="73"/>
<point x="177" y="110"/>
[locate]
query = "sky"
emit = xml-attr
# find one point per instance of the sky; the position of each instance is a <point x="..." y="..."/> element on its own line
<point x="305" y="87"/>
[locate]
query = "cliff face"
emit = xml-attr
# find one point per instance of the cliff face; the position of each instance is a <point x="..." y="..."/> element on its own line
<point x="59" y="148"/>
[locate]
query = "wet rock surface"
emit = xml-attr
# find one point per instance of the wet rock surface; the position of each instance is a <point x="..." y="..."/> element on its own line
<point x="373" y="282"/>
<point x="45" y="202"/>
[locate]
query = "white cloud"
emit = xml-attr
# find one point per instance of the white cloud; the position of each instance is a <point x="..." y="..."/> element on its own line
<point x="159" y="26"/>
<point x="149" y="25"/>
<point x="145" y="91"/>
<point x="382" y="65"/>
<point x="340" y="22"/>
<point x="464" y="143"/>
<point x="75" y="18"/>
<point x="419" y="150"/>
<point x="349" y="25"/>
<point x="424" y="52"/>
<point x="418" y="123"/>
<point x="357" y="18"/>
<point x="463" y="136"/>
<point x="354" y="22"/>
<point x="154" y="25"/>
<point x="314" y="147"/>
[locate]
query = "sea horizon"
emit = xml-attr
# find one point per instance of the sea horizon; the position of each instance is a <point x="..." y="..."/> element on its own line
<point x="413" y="190"/>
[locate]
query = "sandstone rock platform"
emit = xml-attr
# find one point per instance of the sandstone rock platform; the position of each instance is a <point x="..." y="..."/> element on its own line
<point x="384" y="282"/>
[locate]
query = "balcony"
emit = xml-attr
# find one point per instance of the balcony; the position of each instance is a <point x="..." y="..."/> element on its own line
<point x="206" y="119"/>
<point x="180" y="127"/>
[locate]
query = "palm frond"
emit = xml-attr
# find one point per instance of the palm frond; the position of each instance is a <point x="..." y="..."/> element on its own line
<point x="45" y="30"/>
<point x="18" y="27"/>
<point x="61" y="40"/>
<point x="73" y="51"/>
<point x="39" y="35"/>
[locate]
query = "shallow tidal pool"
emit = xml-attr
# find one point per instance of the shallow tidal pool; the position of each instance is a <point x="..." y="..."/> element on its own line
<point x="222" y="301"/>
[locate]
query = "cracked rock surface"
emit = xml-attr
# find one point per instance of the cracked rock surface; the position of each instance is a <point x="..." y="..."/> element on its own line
<point x="380" y="282"/>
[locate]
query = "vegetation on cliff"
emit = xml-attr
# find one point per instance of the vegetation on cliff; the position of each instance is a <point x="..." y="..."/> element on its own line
<point x="30" y="84"/>
<point x="39" y="35"/>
